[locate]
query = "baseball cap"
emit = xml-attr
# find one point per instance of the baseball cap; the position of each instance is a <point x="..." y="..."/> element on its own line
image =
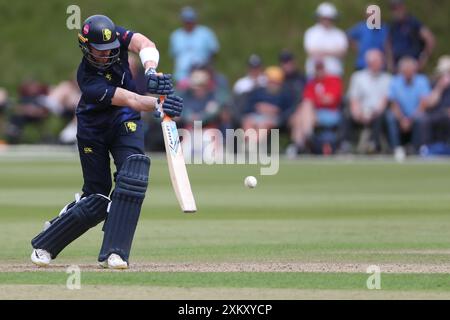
<point x="188" y="14"/>
<point x="254" y="61"/>
<point x="286" y="56"/>
<point x="395" y="3"/>
<point x="327" y="10"/>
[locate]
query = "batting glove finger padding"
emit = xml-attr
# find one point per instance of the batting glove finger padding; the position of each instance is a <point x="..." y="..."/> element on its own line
<point x="172" y="106"/>
<point x="159" y="83"/>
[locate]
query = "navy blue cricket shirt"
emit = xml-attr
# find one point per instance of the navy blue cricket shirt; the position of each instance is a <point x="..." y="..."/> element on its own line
<point x="95" y="114"/>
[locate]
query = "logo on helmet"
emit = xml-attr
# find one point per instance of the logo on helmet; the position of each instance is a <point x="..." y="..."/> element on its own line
<point x="106" y="34"/>
<point x="86" y="29"/>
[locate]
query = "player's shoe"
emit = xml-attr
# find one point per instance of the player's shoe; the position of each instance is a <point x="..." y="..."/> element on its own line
<point x="40" y="257"/>
<point x="114" y="261"/>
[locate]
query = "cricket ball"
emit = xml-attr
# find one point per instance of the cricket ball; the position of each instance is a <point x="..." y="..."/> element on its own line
<point x="250" y="182"/>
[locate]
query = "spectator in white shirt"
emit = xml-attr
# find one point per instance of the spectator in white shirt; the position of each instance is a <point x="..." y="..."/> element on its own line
<point x="325" y="42"/>
<point x="368" y="98"/>
<point x="255" y="78"/>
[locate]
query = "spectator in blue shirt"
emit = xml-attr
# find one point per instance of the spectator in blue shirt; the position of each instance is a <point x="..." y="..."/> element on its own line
<point x="266" y="104"/>
<point x="408" y="94"/>
<point x="407" y="37"/>
<point x="363" y="39"/>
<point x="191" y="45"/>
<point x="293" y="84"/>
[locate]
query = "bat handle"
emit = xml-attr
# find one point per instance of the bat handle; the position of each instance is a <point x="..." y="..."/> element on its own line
<point x="162" y="98"/>
<point x="163" y="115"/>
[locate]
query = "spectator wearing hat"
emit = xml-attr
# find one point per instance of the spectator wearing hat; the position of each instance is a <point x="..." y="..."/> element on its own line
<point x="191" y="45"/>
<point x="408" y="37"/>
<point x="200" y="104"/>
<point x="363" y="39"/>
<point x="436" y="124"/>
<point x="266" y="104"/>
<point x="293" y="84"/>
<point x="325" y="42"/>
<point x="255" y="78"/>
<point x="320" y="107"/>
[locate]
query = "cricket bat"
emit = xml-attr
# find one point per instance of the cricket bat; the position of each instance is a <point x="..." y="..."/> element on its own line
<point x="177" y="166"/>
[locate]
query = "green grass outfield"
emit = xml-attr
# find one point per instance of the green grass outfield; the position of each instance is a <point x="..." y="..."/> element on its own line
<point x="308" y="232"/>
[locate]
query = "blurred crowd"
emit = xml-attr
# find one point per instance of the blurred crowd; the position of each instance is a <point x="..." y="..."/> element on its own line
<point x="389" y="105"/>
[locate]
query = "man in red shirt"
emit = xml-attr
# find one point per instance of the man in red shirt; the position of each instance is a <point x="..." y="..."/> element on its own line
<point x="321" y="103"/>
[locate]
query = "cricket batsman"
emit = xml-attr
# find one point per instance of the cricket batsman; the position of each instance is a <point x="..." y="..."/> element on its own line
<point x="108" y="116"/>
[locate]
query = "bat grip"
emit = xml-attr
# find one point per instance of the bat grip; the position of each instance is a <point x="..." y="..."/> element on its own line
<point x="162" y="98"/>
<point x="163" y="115"/>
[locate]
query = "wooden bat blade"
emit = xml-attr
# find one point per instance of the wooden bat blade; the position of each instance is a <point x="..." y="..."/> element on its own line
<point x="177" y="166"/>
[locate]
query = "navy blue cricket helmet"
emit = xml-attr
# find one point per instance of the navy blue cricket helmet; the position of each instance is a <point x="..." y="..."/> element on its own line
<point x="99" y="32"/>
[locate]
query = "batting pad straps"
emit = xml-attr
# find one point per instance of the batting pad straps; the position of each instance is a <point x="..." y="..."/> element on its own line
<point x="85" y="214"/>
<point x="127" y="199"/>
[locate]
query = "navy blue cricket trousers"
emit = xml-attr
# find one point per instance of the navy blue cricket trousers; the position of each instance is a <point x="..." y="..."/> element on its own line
<point x="121" y="142"/>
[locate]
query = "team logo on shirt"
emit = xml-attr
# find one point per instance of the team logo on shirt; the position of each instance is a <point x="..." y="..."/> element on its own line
<point x="88" y="150"/>
<point x="106" y="34"/>
<point x="131" y="126"/>
<point x="108" y="76"/>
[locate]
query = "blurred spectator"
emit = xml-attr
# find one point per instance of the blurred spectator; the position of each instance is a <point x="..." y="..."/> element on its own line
<point x="4" y="103"/>
<point x="191" y="45"/>
<point x="321" y="104"/>
<point x="255" y="77"/>
<point x="62" y="100"/>
<point x="293" y="84"/>
<point x="368" y="97"/>
<point x="3" y="100"/>
<point x="243" y="87"/>
<point x="436" y="124"/>
<point x="363" y="39"/>
<point x="408" y="37"/>
<point x="408" y="94"/>
<point x="200" y="103"/>
<point x="218" y="83"/>
<point x="325" y="42"/>
<point x="266" y="104"/>
<point x="28" y="110"/>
